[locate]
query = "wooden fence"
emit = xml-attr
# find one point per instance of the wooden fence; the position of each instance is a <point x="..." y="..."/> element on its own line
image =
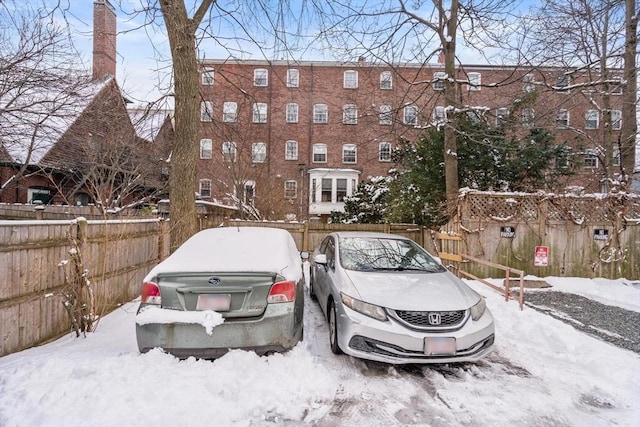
<point x="33" y="255"/>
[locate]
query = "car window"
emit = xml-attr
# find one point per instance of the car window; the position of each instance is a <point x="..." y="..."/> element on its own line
<point x="331" y="254"/>
<point x="362" y="254"/>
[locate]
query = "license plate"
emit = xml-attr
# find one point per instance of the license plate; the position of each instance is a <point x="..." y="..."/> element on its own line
<point x="215" y="302"/>
<point x="439" y="346"/>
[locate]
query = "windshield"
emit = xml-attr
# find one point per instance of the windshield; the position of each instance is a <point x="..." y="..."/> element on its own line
<point x="366" y="253"/>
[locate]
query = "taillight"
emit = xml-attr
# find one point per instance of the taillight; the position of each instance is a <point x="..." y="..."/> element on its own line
<point x="150" y="293"/>
<point x="282" y="292"/>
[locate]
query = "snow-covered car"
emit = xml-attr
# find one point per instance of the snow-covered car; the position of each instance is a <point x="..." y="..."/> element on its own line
<point x="224" y="288"/>
<point x="386" y="299"/>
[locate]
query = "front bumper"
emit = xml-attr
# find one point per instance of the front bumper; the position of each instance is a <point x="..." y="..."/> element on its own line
<point x="277" y="330"/>
<point x="390" y="342"/>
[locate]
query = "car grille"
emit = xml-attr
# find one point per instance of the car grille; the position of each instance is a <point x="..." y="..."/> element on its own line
<point x="432" y="319"/>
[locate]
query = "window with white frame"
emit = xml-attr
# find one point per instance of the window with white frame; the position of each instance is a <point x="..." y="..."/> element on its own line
<point x="350" y="114"/>
<point x="291" y="150"/>
<point x="207" y="76"/>
<point x="206" y="148"/>
<point x="439" y="114"/>
<point x="502" y="115"/>
<point x="475" y="80"/>
<point x="385" y="115"/>
<point x="249" y="191"/>
<point x="320" y="113"/>
<point x="562" y="118"/>
<point x="562" y="160"/>
<point x="590" y="159"/>
<point x="563" y="82"/>
<point x="204" y="188"/>
<point x="616" y="119"/>
<point x="258" y="152"/>
<point x="259" y="112"/>
<point x="350" y="79"/>
<point x="293" y="77"/>
<point x="314" y="183"/>
<point x="292" y="113"/>
<point x="326" y="190"/>
<point x="206" y="111"/>
<point x="386" y="81"/>
<point x="230" y="112"/>
<point x="616" y="86"/>
<point x="349" y="153"/>
<point x="290" y="189"/>
<point x="320" y="153"/>
<point x="438" y="80"/>
<point x="528" y="83"/>
<point x="260" y="77"/>
<point x="616" y="155"/>
<point x="341" y="189"/>
<point x="528" y="117"/>
<point x="384" y="152"/>
<point x="591" y="119"/>
<point x="410" y="116"/>
<point x="229" y="151"/>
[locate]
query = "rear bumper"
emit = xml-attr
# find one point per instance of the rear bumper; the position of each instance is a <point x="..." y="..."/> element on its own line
<point x="277" y="330"/>
<point x="390" y="342"/>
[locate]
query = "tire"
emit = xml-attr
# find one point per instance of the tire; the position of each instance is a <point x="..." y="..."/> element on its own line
<point x="333" y="329"/>
<point x="312" y="293"/>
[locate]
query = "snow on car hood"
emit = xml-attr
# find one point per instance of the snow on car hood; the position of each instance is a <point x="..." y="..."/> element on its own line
<point x="413" y="290"/>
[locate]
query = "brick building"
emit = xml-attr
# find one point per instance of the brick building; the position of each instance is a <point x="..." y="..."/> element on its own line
<point x="294" y="138"/>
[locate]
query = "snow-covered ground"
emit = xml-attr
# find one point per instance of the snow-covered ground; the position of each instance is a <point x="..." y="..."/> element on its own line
<point x="543" y="373"/>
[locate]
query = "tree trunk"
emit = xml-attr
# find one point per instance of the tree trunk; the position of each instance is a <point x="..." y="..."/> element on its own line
<point x="629" y="94"/>
<point x="450" y="94"/>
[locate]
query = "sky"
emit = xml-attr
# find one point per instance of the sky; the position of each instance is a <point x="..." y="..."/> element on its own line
<point x="542" y="372"/>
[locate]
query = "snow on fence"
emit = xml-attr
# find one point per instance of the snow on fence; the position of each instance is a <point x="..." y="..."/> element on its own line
<point x="33" y="258"/>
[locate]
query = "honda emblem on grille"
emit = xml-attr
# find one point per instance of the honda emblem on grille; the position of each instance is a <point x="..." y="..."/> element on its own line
<point x="435" y="319"/>
<point x="213" y="281"/>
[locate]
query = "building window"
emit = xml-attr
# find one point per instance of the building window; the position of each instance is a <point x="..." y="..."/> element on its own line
<point x="350" y="114"/>
<point x="616" y="119"/>
<point x="229" y="151"/>
<point x="350" y="79"/>
<point x="590" y="159"/>
<point x="327" y="187"/>
<point x="290" y="189"/>
<point x="291" y="150"/>
<point x="249" y="191"/>
<point x="562" y="118"/>
<point x="205" y="188"/>
<point x="260" y="77"/>
<point x="385" y="115"/>
<point x="341" y="189"/>
<point x="438" y="80"/>
<point x="616" y="156"/>
<point x="349" y="153"/>
<point x="528" y="83"/>
<point x="319" y="153"/>
<point x="616" y="86"/>
<point x="293" y="77"/>
<point x="384" y="152"/>
<point x="410" y="115"/>
<point x="563" y="82"/>
<point x="386" y="81"/>
<point x="259" y="112"/>
<point x="206" y="111"/>
<point x="439" y="114"/>
<point x="314" y="184"/>
<point x="528" y="117"/>
<point x="258" y="152"/>
<point x="502" y="115"/>
<point x="562" y="160"/>
<point x="207" y="76"/>
<point x="206" y="149"/>
<point x="591" y="119"/>
<point x="320" y="113"/>
<point x="292" y="113"/>
<point x="475" y="80"/>
<point x="229" y="112"/>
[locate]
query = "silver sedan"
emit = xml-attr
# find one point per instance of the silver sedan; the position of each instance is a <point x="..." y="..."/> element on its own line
<point x="388" y="300"/>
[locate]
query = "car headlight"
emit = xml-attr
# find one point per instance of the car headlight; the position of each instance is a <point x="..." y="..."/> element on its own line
<point x="478" y="310"/>
<point x="365" y="308"/>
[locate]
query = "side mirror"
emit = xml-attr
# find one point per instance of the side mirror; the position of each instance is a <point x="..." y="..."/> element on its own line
<point x="304" y="255"/>
<point x="438" y="259"/>
<point x="320" y="259"/>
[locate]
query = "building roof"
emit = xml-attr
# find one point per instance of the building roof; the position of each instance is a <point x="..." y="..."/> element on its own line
<point x="33" y="121"/>
<point x="147" y="121"/>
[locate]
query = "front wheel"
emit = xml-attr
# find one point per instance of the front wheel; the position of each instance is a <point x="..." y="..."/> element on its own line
<point x="333" y="329"/>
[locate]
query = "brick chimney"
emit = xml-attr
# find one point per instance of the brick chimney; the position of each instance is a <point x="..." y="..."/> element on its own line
<point x="104" y="39"/>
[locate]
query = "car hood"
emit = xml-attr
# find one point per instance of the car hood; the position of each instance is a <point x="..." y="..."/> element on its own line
<point x="414" y="291"/>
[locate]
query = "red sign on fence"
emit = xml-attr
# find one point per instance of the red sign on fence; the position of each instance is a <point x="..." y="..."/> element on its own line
<point x="541" y="258"/>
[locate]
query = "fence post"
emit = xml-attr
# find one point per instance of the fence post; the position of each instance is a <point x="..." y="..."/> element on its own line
<point x="305" y="237"/>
